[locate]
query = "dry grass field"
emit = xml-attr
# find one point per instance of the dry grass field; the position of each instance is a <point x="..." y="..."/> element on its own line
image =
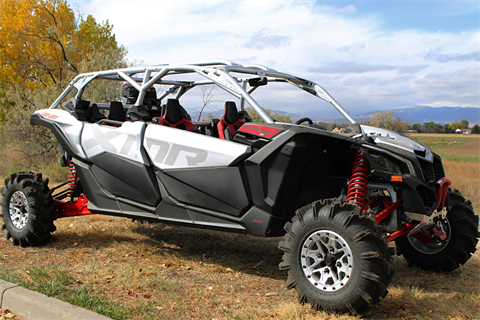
<point x="459" y="147"/>
<point x="131" y="270"/>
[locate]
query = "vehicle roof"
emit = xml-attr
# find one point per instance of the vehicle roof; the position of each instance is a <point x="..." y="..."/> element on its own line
<point x="191" y="67"/>
<point x="215" y="71"/>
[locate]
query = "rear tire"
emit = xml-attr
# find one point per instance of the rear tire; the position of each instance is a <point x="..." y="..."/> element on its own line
<point x="337" y="259"/>
<point x="461" y="226"/>
<point x="27" y="209"/>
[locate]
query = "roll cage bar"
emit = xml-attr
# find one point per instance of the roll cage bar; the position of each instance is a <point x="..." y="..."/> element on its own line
<point x="216" y="72"/>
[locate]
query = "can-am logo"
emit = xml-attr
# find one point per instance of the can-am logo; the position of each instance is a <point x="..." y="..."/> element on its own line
<point x="48" y="115"/>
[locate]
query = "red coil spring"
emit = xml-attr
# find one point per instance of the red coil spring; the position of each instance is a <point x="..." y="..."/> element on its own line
<point x="72" y="179"/>
<point x="357" y="189"/>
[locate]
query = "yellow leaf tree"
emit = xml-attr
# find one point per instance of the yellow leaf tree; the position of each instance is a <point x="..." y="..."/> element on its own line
<point x="387" y="120"/>
<point x="41" y="44"/>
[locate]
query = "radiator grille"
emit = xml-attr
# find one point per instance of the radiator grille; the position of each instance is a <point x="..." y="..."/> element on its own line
<point x="428" y="197"/>
<point x="431" y="172"/>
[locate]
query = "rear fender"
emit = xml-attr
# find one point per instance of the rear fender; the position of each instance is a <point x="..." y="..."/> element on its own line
<point x="65" y="127"/>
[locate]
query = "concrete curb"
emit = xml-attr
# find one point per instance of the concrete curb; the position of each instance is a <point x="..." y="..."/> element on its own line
<point x="31" y="305"/>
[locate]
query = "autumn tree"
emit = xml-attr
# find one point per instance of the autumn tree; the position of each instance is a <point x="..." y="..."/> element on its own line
<point x="43" y="46"/>
<point x="446" y="128"/>
<point x="464" y="124"/>
<point x="5" y="103"/>
<point x="386" y="120"/>
<point x="454" y="126"/>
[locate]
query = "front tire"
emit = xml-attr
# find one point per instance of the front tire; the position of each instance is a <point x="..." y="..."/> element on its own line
<point x="461" y="227"/>
<point x="337" y="259"/>
<point x="27" y="209"/>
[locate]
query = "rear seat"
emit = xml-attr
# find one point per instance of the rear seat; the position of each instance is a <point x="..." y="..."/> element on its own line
<point x="94" y="114"/>
<point x="174" y="117"/>
<point x="117" y="112"/>
<point x="80" y="110"/>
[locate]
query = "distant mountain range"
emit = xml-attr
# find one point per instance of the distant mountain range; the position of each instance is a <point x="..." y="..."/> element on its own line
<point x="422" y="114"/>
<point x="418" y="114"/>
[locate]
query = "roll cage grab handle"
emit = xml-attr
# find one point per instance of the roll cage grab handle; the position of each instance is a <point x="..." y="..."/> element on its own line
<point x="216" y="71"/>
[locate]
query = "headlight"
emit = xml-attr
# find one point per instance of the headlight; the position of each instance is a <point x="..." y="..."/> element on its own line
<point x="386" y="164"/>
<point x="409" y="166"/>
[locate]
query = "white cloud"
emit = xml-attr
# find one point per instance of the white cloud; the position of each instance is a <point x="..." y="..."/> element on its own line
<point x="348" y="9"/>
<point x="350" y="55"/>
<point x="351" y="67"/>
<point x="450" y="57"/>
<point x="262" y="39"/>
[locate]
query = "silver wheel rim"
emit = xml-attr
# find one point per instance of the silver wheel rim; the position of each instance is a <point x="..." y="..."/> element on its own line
<point x="326" y="260"/>
<point x="431" y="248"/>
<point x="19" y="210"/>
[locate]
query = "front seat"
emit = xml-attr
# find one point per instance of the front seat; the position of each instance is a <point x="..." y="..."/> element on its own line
<point x="230" y="122"/>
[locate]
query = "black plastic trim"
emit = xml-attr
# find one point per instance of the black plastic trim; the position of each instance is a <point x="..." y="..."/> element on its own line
<point x="99" y="199"/>
<point x="412" y="200"/>
<point x="297" y="167"/>
<point x="260" y="223"/>
<point x="217" y="189"/>
<point x="125" y="178"/>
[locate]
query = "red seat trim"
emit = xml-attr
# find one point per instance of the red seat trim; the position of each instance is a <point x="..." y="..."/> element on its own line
<point x="188" y="124"/>
<point x="222" y="124"/>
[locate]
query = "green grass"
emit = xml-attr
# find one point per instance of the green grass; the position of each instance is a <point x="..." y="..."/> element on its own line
<point x="59" y="284"/>
<point x="436" y="142"/>
<point x="460" y="148"/>
<point x="460" y="158"/>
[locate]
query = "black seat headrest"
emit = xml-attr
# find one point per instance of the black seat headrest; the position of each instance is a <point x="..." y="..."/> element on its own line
<point x="94" y="114"/>
<point x="150" y="98"/>
<point x="173" y="111"/>
<point x="231" y="112"/>
<point x="116" y="111"/>
<point x="82" y="104"/>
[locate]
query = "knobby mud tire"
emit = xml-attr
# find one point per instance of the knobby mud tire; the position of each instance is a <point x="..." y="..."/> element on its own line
<point x="371" y="269"/>
<point x="460" y="245"/>
<point x="455" y="197"/>
<point x="38" y="215"/>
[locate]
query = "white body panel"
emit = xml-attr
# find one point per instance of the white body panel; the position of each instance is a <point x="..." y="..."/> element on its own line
<point x="125" y="141"/>
<point x="382" y="136"/>
<point x="69" y="125"/>
<point x="171" y="148"/>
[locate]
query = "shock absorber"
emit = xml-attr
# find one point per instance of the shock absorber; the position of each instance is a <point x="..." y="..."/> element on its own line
<point x="357" y="188"/>
<point x="72" y="180"/>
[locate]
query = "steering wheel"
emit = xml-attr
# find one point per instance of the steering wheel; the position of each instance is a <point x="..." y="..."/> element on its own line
<point x="299" y="121"/>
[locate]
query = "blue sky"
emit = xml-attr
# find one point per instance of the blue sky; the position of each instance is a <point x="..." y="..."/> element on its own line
<point x="429" y="16"/>
<point x="370" y="55"/>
